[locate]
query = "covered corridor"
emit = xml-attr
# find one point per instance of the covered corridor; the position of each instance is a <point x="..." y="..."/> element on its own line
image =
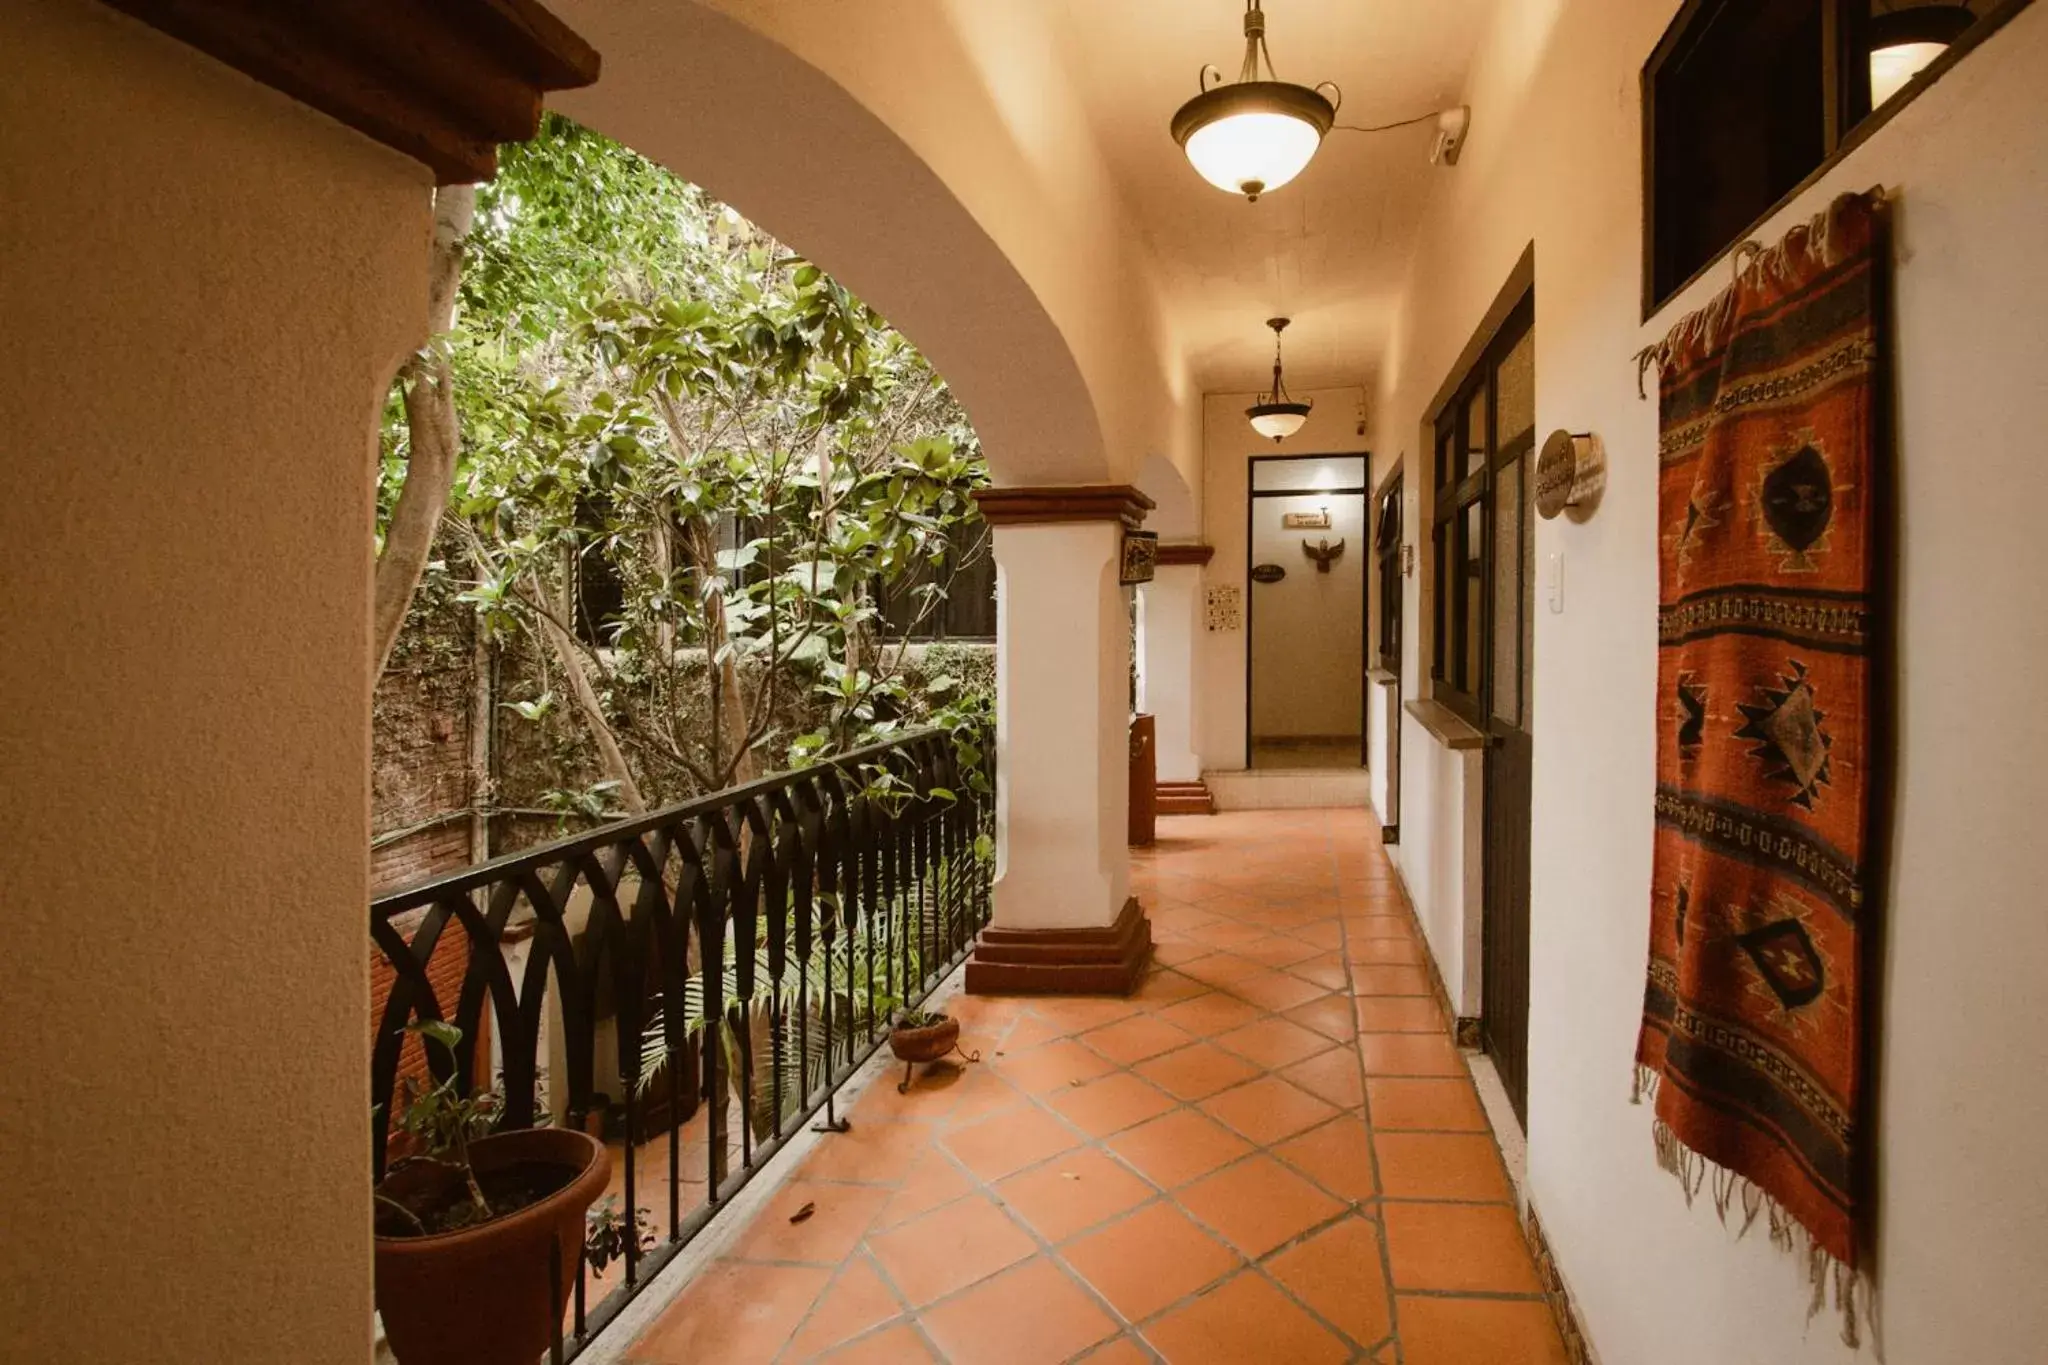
<point x="1270" y="1151"/>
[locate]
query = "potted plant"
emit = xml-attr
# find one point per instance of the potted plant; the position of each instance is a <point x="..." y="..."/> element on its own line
<point x="917" y="1035"/>
<point x="468" y="1230"/>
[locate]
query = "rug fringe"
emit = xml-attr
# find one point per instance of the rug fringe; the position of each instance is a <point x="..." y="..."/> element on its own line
<point x="1692" y="1171"/>
<point x="1646" y="1083"/>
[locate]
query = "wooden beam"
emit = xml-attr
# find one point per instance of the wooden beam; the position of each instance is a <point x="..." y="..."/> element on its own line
<point x="443" y="82"/>
<point x="1063" y="502"/>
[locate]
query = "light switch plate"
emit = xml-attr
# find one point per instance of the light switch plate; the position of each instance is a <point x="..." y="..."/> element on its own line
<point x="1553" y="580"/>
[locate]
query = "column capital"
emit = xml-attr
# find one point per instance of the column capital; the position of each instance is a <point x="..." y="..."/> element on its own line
<point x="444" y="83"/>
<point x="1173" y="552"/>
<point x="1063" y="503"/>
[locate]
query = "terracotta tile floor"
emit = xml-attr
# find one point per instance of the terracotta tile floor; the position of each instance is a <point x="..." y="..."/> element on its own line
<point x="1271" y="1154"/>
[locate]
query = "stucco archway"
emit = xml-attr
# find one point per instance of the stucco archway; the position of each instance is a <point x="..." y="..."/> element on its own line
<point x="732" y="110"/>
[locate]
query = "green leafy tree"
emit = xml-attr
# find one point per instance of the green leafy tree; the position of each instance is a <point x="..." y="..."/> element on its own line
<point x="646" y="389"/>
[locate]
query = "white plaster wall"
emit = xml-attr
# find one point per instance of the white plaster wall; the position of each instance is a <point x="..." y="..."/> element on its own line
<point x="1228" y="444"/>
<point x="1063" y="661"/>
<point x="1171" y="623"/>
<point x="206" y="289"/>
<point x="1554" y="159"/>
<point x="1381" y="713"/>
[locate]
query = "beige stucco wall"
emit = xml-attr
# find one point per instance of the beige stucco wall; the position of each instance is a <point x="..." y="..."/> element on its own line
<point x="1229" y="444"/>
<point x="204" y="290"/>
<point x="1554" y="159"/>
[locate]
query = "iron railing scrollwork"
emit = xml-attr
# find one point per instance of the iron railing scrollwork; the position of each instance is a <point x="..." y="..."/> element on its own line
<point x="794" y="912"/>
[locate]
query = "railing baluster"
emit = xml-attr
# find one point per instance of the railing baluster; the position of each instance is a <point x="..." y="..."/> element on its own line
<point x="860" y="897"/>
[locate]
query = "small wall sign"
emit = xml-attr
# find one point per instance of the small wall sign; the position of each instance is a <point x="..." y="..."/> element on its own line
<point x="1570" y="472"/>
<point x="1305" y="521"/>
<point x="1267" y="573"/>
<point x="1224" y="609"/>
<point x="1140" y="557"/>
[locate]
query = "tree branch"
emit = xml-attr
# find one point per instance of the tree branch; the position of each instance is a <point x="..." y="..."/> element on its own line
<point x="434" y="439"/>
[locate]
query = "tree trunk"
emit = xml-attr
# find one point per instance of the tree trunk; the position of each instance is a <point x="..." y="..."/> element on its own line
<point x="434" y="437"/>
<point x="569" y="654"/>
<point x="728" y="702"/>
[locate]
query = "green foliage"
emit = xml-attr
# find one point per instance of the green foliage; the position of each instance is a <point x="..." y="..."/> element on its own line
<point x="607" y="1233"/>
<point x="653" y="392"/>
<point x="444" y="1120"/>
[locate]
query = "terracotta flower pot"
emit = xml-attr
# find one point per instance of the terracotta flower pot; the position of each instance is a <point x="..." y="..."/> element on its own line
<point x="926" y="1044"/>
<point x="479" y="1296"/>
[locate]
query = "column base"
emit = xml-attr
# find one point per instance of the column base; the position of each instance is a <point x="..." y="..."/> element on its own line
<point x="1186" y="798"/>
<point x="1106" y="961"/>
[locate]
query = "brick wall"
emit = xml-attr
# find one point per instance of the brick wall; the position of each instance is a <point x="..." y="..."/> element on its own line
<point x="445" y="971"/>
<point x="420" y="742"/>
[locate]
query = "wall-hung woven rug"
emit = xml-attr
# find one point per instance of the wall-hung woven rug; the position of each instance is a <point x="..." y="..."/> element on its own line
<point x="1752" y="1040"/>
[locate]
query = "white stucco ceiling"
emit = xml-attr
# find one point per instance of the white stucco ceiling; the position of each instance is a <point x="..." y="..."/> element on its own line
<point x="1330" y="249"/>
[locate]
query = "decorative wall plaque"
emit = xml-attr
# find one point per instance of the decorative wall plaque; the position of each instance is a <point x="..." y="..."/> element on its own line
<point x="1324" y="554"/>
<point x="1225" y="608"/>
<point x="1569" y="474"/>
<point x="1305" y="521"/>
<point x="1267" y="573"/>
<point x="1140" y="557"/>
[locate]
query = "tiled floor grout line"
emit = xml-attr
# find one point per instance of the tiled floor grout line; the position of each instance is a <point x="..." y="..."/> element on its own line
<point x="1372" y="1148"/>
<point x="1336" y="899"/>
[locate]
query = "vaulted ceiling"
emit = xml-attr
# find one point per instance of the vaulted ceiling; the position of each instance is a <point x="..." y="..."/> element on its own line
<point x="1331" y="248"/>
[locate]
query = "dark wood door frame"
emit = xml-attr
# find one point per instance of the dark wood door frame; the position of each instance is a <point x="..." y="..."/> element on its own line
<point x="1250" y="504"/>
<point x="1464" y="679"/>
<point x="1378" y="593"/>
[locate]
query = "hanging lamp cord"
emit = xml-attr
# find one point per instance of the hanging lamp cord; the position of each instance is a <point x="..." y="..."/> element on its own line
<point x="1385" y="127"/>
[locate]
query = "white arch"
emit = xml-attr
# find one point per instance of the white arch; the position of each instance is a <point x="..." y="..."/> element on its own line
<point x="1175" y="514"/>
<point x="762" y="129"/>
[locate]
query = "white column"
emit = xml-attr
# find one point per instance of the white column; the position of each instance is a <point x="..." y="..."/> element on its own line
<point x="1172" y="613"/>
<point x="1063" y="717"/>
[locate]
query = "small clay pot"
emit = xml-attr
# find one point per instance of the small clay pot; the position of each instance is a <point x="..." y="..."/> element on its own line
<point x="926" y="1044"/>
<point x="479" y="1295"/>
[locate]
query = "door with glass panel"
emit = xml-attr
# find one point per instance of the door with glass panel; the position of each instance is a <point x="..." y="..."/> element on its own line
<point x="1483" y="660"/>
<point x="1308" y="541"/>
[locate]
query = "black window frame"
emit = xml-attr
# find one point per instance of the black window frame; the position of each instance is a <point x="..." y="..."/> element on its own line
<point x="968" y="615"/>
<point x="1841" y="86"/>
<point x="1456" y="494"/>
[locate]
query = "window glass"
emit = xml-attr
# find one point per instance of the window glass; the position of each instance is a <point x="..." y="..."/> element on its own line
<point x="1309" y="473"/>
<point x="1507" y="604"/>
<point x="1472" y="659"/>
<point x="1443" y="585"/>
<point x="1475" y="432"/>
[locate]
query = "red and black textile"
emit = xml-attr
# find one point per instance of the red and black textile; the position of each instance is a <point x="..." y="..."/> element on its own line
<point x="1769" y="558"/>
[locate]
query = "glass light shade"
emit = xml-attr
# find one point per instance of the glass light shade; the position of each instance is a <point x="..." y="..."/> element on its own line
<point x="1250" y="154"/>
<point x="1891" y="67"/>
<point x="1253" y="136"/>
<point x="1277" y="420"/>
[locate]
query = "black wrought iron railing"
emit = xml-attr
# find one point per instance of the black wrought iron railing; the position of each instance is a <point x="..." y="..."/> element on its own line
<point x="697" y="982"/>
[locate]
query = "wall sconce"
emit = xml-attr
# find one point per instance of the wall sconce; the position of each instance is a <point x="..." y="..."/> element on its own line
<point x="1904" y="42"/>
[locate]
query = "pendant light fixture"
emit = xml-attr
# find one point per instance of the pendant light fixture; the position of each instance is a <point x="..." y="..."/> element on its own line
<point x="1253" y="135"/>
<point x="1275" y="414"/>
<point x="1903" y="42"/>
